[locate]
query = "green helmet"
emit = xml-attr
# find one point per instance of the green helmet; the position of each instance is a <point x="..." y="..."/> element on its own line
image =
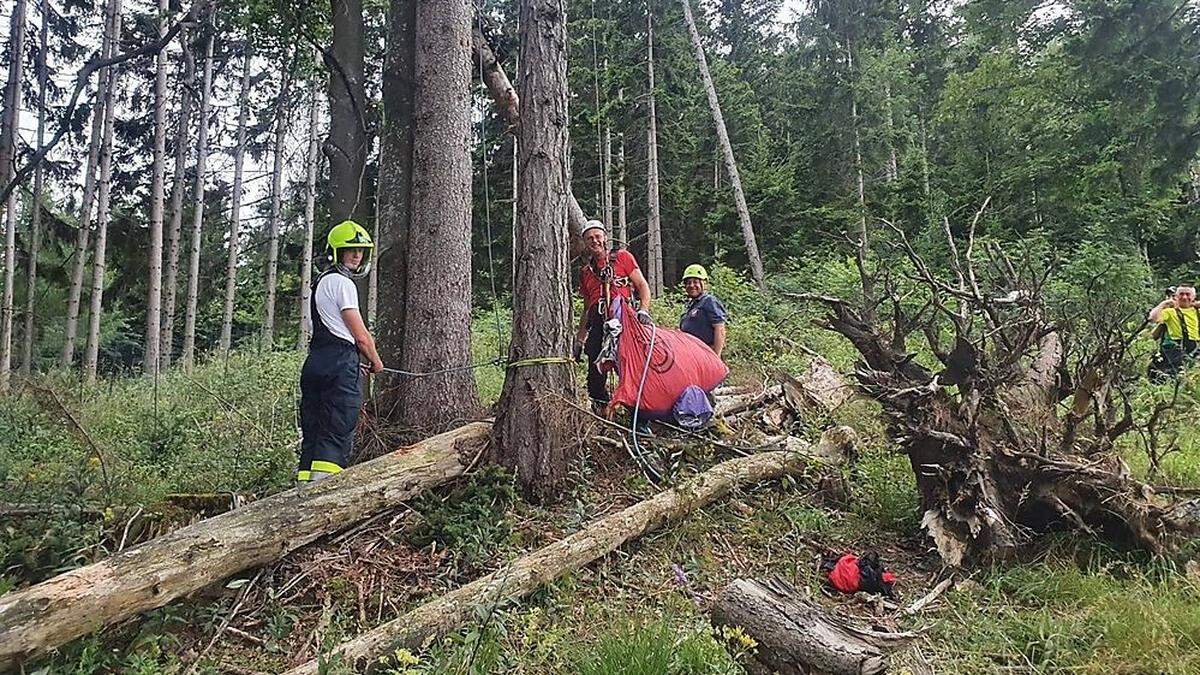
<point x="347" y="235"/>
<point x="695" y="272"/>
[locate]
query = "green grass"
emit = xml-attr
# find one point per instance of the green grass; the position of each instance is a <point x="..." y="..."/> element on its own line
<point x="1054" y="616"/>
<point x="231" y="426"/>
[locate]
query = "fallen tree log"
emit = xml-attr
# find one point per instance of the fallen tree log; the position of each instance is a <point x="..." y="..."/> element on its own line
<point x="437" y="617"/>
<point x="797" y="636"/>
<point x="47" y="615"/>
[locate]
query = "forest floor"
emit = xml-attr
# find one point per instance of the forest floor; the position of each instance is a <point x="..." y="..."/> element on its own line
<point x="1068" y="605"/>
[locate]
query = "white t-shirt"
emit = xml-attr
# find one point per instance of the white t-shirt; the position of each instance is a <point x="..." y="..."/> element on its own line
<point x="334" y="293"/>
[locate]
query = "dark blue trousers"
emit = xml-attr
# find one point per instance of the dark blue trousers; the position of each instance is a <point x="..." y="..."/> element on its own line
<point x="330" y="398"/>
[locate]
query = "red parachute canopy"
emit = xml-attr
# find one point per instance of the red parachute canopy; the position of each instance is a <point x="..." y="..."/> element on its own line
<point x="679" y="360"/>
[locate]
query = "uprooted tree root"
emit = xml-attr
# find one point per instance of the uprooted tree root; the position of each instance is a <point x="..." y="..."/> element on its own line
<point x="1016" y="433"/>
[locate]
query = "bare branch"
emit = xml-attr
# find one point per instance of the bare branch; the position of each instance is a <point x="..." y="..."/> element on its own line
<point x="198" y="12"/>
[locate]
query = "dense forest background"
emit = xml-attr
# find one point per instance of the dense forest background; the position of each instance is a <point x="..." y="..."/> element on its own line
<point x="1077" y="120"/>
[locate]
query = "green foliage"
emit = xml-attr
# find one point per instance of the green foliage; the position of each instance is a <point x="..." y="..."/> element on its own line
<point x="653" y="646"/>
<point x="228" y="427"/>
<point x="472" y="520"/>
<point x="885" y="492"/>
<point x="1111" y="616"/>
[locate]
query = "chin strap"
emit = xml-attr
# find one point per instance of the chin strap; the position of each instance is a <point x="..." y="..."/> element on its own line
<point x="360" y="273"/>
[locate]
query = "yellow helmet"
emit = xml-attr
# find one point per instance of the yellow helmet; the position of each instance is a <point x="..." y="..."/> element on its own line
<point x="695" y="272"/>
<point x="347" y="235"/>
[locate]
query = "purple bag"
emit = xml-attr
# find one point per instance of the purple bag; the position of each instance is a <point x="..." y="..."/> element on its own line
<point x="692" y="410"/>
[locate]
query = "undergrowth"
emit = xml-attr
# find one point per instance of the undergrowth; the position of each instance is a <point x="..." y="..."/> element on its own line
<point x="230" y="426"/>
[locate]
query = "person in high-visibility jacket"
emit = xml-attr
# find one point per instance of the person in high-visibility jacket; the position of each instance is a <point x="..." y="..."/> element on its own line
<point x="340" y="353"/>
<point x="1179" y="343"/>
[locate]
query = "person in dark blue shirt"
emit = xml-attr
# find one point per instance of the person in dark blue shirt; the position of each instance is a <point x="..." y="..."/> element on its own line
<point x="704" y="316"/>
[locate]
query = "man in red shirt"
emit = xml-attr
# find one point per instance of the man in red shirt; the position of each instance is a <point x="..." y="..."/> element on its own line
<point x="606" y="276"/>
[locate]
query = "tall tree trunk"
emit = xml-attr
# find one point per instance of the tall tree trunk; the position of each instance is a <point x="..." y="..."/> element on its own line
<point x="8" y="136"/>
<point x="35" y="236"/>
<point x="505" y="97"/>
<point x="437" y="334"/>
<point x="92" y="351"/>
<point x="83" y="234"/>
<point x="893" y="166"/>
<point x="273" y="226"/>
<point x="373" y="273"/>
<point x="864" y="242"/>
<point x="512" y="282"/>
<point x="607" y="184"/>
<point x="925" y="186"/>
<point x="346" y="144"/>
<point x="622" y="222"/>
<point x="310" y="200"/>
<point x="735" y="180"/>
<point x="653" y="222"/>
<point x="151" y="361"/>
<point x="235" y="214"/>
<point x="515" y="182"/>
<point x="182" y="126"/>
<point x="532" y="433"/>
<point x="187" y="356"/>
<point x="599" y="124"/>
<point x="395" y="188"/>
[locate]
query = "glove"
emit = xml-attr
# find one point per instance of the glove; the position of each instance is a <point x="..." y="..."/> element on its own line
<point x="643" y="317"/>
<point x="577" y="351"/>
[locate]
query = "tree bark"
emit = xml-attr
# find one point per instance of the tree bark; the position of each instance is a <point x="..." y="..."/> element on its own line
<point x="187" y="355"/>
<point x="532" y="433"/>
<point x="438" y="334"/>
<point x="503" y="94"/>
<point x="182" y="125"/>
<point x="310" y="200"/>
<point x="346" y="144"/>
<point x="235" y="214"/>
<point x="92" y="351"/>
<point x="150" y="359"/>
<point x="83" y="233"/>
<point x="735" y="180"/>
<point x="606" y="188"/>
<point x="622" y="222"/>
<point x="507" y="104"/>
<point x="35" y="238"/>
<point x="8" y="140"/>
<point x="864" y="242"/>
<point x="273" y="224"/>
<point x="438" y="617"/>
<point x="796" y="636"/>
<point x="889" y="121"/>
<point x="395" y="189"/>
<point x="45" y="616"/>
<point x="653" y="221"/>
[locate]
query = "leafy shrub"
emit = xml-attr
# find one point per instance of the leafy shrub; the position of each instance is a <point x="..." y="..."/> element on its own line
<point x="654" y="647"/>
<point x="472" y="519"/>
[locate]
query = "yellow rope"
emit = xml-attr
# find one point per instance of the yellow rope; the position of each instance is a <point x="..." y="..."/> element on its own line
<point x="539" y="361"/>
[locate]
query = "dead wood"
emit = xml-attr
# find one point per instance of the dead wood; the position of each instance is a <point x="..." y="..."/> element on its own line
<point x="413" y="629"/>
<point x="49" y="614"/>
<point x="995" y="430"/>
<point x="798" y="636"/>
